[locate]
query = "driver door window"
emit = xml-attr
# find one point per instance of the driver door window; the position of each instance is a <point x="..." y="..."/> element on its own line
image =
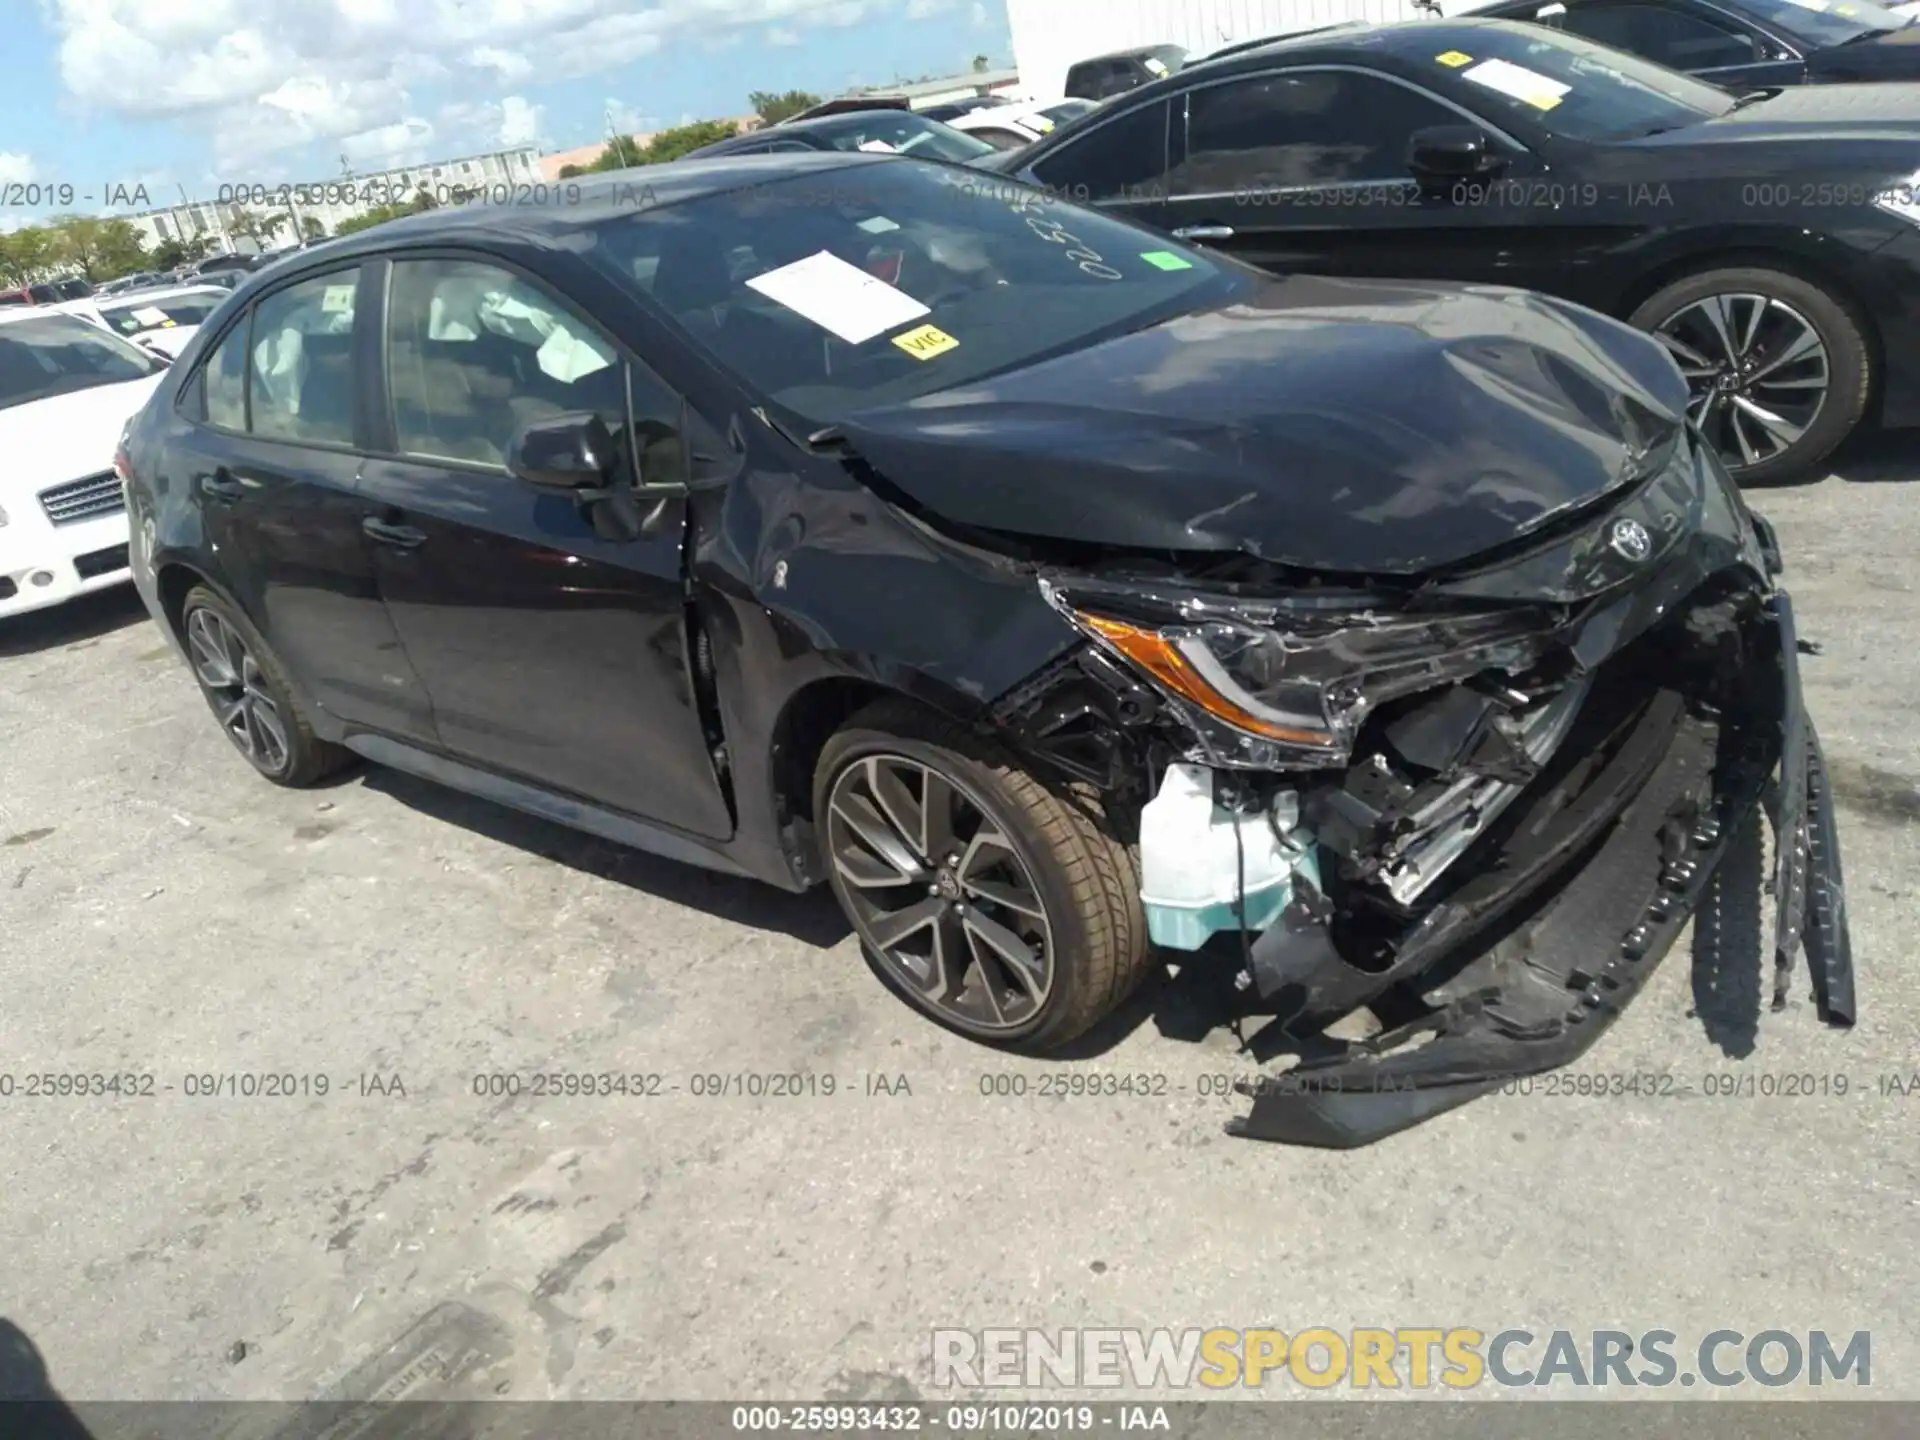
<point x="1302" y="128"/>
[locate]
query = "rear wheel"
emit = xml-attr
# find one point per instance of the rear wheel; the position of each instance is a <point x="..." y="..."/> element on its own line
<point x="1004" y="911"/>
<point x="1779" y="369"/>
<point x="250" y="695"/>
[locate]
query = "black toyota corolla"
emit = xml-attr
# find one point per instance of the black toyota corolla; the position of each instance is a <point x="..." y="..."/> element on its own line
<point x="1063" y="596"/>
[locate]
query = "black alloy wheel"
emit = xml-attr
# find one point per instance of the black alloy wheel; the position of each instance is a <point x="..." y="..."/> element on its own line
<point x="940" y="893"/>
<point x="1005" y="911"/>
<point x="249" y="694"/>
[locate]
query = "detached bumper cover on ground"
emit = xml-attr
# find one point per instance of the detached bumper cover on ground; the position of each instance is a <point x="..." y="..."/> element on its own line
<point x="1653" y="827"/>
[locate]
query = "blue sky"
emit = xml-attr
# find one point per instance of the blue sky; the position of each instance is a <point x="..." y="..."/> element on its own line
<point x="201" y="93"/>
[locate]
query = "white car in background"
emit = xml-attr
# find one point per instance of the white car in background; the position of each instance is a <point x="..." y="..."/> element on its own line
<point x="67" y="389"/>
<point x="163" y="320"/>
<point x="1008" y="127"/>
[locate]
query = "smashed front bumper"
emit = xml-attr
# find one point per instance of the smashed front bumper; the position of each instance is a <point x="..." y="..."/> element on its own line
<point x="1591" y="889"/>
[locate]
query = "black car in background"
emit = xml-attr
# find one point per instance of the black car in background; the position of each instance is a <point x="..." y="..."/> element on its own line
<point x="1108" y="75"/>
<point x="1741" y="44"/>
<point x="873" y="127"/>
<point x="1771" y="240"/>
<point x="1039" y="583"/>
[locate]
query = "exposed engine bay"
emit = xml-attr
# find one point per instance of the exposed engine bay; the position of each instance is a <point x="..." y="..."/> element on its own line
<point x="1480" y="804"/>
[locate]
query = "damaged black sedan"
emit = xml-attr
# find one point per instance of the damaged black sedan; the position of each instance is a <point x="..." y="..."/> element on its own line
<point x="1064" y="597"/>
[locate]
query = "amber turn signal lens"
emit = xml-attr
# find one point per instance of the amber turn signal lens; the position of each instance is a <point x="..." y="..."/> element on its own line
<point x="1160" y="658"/>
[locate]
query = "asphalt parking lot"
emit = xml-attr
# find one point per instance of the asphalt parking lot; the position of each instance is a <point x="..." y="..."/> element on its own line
<point x="165" y="914"/>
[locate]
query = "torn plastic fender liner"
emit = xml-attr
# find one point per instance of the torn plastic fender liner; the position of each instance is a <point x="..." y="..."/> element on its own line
<point x="1561" y="981"/>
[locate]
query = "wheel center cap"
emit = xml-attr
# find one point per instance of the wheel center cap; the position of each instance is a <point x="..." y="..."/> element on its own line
<point x="949" y="884"/>
<point x="1728" y="381"/>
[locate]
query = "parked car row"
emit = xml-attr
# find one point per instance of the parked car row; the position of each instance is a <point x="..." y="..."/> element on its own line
<point x="1770" y="238"/>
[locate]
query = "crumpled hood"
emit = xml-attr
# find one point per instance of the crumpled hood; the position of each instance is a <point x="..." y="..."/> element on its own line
<point x="1352" y="426"/>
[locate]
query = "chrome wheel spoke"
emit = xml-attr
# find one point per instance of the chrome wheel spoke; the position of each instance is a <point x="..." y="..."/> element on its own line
<point x="1685" y="353"/>
<point x="237" y="690"/>
<point x="1783" y="430"/>
<point x="1718" y="310"/>
<point x="891" y="929"/>
<point x="1804" y="346"/>
<point x="1015" y="955"/>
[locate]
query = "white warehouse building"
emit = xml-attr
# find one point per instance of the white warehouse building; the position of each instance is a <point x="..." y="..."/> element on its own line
<point x="1050" y="35"/>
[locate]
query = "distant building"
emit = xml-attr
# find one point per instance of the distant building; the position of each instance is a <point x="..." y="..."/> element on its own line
<point x="954" y="87"/>
<point x="330" y="201"/>
<point x="585" y="155"/>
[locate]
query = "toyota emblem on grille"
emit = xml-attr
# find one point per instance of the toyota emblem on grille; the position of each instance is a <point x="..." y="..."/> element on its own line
<point x="1630" y="540"/>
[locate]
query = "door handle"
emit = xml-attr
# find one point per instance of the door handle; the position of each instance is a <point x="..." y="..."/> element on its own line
<point x="401" y="537"/>
<point x="1204" y="232"/>
<point x="221" y="485"/>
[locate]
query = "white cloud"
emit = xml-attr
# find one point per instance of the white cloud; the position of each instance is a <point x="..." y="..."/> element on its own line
<point x="15" y="168"/>
<point x="780" y="35"/>
<point x="405" y="142"/>
<point x="922" y="9"/>
<point x="981" y="19"/>
<point x="263" y="78"/>
<point x="519" y="122"/>
<point x="629" y="121"/>
<point x="505" y="63"/>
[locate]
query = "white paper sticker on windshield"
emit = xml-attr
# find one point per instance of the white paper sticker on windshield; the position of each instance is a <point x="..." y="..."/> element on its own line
<point x="1549" y="10"/>
<point x="1155" y="65"/>
<point x="1529" y="86"/>
<point x="1811" y="4"/>
<point x="841" y="299"/>
<point x="879" y="225"/>
<point x="336" y="299"/>
<point x="149" y="315"/>
<point x="877" y="147"/>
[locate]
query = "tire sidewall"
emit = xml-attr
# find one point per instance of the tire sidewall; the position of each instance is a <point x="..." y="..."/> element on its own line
<point x="1066" y="926"/>
<point x="1849" y="359"/>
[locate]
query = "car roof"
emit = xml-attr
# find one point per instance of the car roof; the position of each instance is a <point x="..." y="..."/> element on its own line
<point x="590" y="200"/>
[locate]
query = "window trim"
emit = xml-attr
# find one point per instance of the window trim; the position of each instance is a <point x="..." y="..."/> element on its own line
<point x="198" y="376"/>
<point x="386" y="432"/>
<point x="1185" y="104"/>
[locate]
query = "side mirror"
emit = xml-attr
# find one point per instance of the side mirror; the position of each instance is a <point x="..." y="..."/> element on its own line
<point x="1453" y="152"/>
<point x="575" y="451"/>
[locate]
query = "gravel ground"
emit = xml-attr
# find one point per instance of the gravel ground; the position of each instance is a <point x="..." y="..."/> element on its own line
<point x="164" y="913"/>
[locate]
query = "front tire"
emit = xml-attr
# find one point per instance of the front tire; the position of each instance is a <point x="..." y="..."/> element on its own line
<point x="986" y="901"/>
<point x="1779" y="368"/>
<point x="247" y="689"/>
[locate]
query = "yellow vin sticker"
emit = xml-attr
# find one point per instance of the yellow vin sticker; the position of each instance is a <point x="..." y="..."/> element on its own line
<point x="1454" y="58"/>
<point x="926" y="342"/>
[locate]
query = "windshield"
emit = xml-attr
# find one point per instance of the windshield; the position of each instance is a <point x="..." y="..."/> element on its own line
<point x="835" y="292"/>
<point x="1068" y="110"/>
<point x="51" y="355"/>
<point x="903" y="132"/>
<point x="1573" y="87"/>
<point x="140" y="313"/>
<point x="1826" y="22"/>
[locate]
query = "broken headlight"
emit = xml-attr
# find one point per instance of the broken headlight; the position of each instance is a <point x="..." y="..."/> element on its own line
<point x="1288" y="684"/>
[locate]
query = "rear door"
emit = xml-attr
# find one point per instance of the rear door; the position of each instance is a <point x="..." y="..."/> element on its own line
<point x="270" y="439"/>
<point x="551" y="654"/>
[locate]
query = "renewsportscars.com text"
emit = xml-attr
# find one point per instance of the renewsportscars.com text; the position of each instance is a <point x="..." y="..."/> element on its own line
<point x="1393" y="1359"/>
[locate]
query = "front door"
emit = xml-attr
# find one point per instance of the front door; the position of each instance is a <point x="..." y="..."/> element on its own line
<point x="1306" y="169"/>
<point x="551" y="654"/>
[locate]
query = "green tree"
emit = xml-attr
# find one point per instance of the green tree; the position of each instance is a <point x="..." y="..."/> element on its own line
<point x="773" y="107"/>
<point x="27" y="254"/>
<point x="381" y="214"/>
<point x="99" y="249"/>
<point x="311" y="228"/>
<point x="683" y="139"/>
